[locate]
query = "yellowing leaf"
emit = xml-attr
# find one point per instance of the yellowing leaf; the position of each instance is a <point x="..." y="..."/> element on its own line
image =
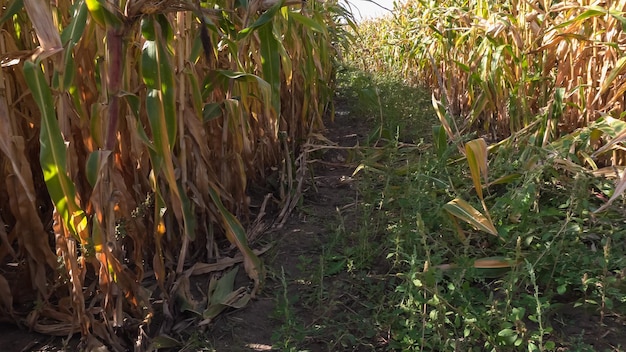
<point x="237" y="236"/>
<point x="464" y="211"/>
<point x="476" y="152"/>
<point x="620" y="187"/>
<point x="493" y="263"/>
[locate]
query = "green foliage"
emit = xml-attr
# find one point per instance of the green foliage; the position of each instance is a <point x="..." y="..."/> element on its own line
<point x="451" y="299"/>
<point x="501" y="70"/>
<point x="386" y="101"/>
<point x="551" y="263"/>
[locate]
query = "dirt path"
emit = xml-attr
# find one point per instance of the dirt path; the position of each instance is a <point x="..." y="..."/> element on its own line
<point x="299" y="299"/>
<point x="283" y="309"/>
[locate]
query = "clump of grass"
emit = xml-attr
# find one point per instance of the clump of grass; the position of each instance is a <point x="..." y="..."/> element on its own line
<point x="386" y="101"/>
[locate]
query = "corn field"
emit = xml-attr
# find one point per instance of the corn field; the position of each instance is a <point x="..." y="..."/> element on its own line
<point x="131" y="131"/>
<point x="499" y="67"/>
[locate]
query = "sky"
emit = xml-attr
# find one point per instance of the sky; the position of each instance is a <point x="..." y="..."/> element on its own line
<point x="369" y="9"/>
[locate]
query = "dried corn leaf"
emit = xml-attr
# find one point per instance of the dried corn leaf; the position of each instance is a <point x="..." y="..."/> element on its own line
<point x="464" y="211"/>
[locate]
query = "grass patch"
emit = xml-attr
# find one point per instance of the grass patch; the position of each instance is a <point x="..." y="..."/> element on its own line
<point x="394" y="109"/>
<point x="552" y="267"/>
<point x="401" y="273"/>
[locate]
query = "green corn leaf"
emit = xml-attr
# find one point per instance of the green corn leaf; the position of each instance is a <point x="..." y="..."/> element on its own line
<point x="464" y="211"/>
<point x="188" y="213"/>
<point x="69" y="67"/>
<point x="266" y="17"/>
<point x="270" y="61"/>
<point x="135" y="104"/>
<point x="594" y="11"/>
<point x="211" y="111"/>
<point x="440" y="140"/>
<point x="196" y="94"/>
<point x="102" y="15"/>
<point x="308" y="22"/>
<point x="53" y="156"/>
<point x="76" y="28"/>
<point x="242" y="77"/>
<point x="237" y="236"/>
<point x="504" y="180"/>
<point x="94" y="165"/>
<point x="158" y="76"/>
<point x="164" y="342"/>
<point x="222" y="295"/>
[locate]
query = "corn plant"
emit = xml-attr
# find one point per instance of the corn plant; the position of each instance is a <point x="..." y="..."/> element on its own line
<point x="131" y="131"/>
<point x="498" y="67"/>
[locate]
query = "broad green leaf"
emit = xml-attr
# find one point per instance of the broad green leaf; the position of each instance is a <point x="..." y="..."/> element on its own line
<point x="156" y="26"/>
<point x="221" y="295"/>
<point x="266" y="17"/>
<point x="102" y="15"/>
<point x="134" y="104"/>
<point x="440" y="140"/>
<point x="196" y="94"/>
<point x="464" y="211"/>
<point x="476" y="151"/>
<point x="237" y="236"/>
<point x="74" y="31"/>
<point x="211" y="111"/>
<point x="462" y="66"/>
<point x="308" y="22"/>
<point x="592" y="12"/>
<point x="270" y="61"/>
<point x="93" y="167"/>
<point x="242" y="78"/>
<point x="158" y="76"/>
<point x="69" y="67"/>
<point x="164" y="342"/>
<point x="504" y="180"/>
<point x="53" y="156"/>
<point x="188" y="213"/>
<point x="507" y="336"/>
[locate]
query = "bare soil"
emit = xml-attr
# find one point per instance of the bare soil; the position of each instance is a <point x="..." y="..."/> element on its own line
<point x="330" y="190"/>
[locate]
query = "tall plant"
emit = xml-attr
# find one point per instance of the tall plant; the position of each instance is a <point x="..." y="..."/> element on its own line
<point x="499" y="67"/>
<point x="130" y="129"/>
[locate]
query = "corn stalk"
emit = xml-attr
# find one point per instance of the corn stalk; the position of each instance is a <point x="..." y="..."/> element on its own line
<point x="130" y="129"/>
<point x="500" y="66"/>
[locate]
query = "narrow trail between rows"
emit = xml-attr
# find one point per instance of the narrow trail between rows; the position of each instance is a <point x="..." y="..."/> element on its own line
<point x="329" y="199"/>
